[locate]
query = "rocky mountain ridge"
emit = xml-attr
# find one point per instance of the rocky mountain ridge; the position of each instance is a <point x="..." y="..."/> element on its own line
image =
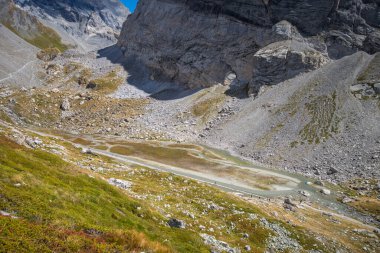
<point x="86" y="24"/>
<point x="201" y="43"/>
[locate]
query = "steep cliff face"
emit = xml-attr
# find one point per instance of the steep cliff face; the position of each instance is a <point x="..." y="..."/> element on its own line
<point x="204" y="42"/>
<point x="85" y="23"/>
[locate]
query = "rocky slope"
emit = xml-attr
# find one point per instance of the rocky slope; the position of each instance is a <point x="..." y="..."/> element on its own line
<point x="318" y="98"/>
<point x="87" y="24"/>
<point x="18" y="61"/>
<point x="206" y="42"/>
<point x="28" y="27"/>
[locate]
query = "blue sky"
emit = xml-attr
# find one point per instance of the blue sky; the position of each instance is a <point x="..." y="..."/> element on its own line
<point x="131" y="4"/>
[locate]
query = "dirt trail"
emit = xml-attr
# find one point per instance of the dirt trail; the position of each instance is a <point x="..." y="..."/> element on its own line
<point x="10" y="75"/>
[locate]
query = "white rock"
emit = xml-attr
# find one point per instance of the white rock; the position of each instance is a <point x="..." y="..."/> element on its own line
<point x="326" y="191"/>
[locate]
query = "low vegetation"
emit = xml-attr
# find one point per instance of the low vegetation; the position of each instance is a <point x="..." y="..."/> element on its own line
<point x="48" y="54"/>
<point x="108" y="83"/>
<point x="62" y="209"/>
<point x="324" y="122"/>
<point x="371" y="73"/>
<point x="68" y="206"/>
<point x="198" y="161"/>
<point x="207" y="104"/>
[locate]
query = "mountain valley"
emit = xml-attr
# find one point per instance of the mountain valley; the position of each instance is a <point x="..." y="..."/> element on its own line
<point x="205" y="126"/>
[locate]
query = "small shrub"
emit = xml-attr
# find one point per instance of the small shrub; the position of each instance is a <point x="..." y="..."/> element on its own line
<point x="48" y="54"/>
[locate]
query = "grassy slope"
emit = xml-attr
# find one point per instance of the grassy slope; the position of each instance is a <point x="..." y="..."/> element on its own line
<point x="58" y="204"/>
<point x="63" y="209"/>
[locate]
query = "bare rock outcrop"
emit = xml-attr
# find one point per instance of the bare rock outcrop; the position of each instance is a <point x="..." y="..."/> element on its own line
<point x="283" y="60"/>
<point x="85" y="23"/>
<point x="199" y="43"/>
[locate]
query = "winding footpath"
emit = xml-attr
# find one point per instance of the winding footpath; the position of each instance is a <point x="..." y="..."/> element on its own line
<point x="10" y="75"/>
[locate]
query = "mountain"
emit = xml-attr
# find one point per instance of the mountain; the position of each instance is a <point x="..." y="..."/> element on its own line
<point x="307" y="62"/>
<point x="87" y="24"/>
<point x="205" y="42"/>
<point x="28" y="27"/>
<point x="211" y="126"/>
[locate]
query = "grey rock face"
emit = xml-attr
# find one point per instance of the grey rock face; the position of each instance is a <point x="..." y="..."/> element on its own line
<point x="283" y="60"/>
<point x="376" y="87"/>
<point x="200" y="43"/>
<point x="65" y="106"/>
<point x="85" y="23"/>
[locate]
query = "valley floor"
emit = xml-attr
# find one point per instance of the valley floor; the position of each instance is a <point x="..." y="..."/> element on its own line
<point x="103" y="158"/>
<point x="60" y="196"/>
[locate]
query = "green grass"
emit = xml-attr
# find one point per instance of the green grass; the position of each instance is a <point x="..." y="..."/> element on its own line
<point x="44" y="38"/>
<point x="293" y="105"/>
<point x="173" y="156"/>
<point x="5" y="117"/>
<point x="108" y="83"/>
<point x="371" y="73"/>
<point x="183" y="194"/>
<point x="47" y="193"/>
<point x="48" y="54"/>
<point x="324" y="122"/>
<point x="206" y="107"/>
<point x="61" y="208"/>
<point x="47" y="38"/>
<point x="268" y="136"/>
<point x="192" y="160"/>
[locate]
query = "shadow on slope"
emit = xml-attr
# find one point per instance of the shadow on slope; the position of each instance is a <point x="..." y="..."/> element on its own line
<point x="138" y="76"/>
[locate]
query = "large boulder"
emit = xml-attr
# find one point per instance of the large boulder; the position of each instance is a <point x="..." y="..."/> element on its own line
<point x="175" y="223"/>
<point x="283" y="60"/>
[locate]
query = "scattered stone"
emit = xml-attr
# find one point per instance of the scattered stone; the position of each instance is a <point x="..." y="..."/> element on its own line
<point x="217" y="245"/>
<point x="214" y="206"/>
<point x="33" y="143"/>
<point x="346" y="200"/>
<point x="247" y="248"/>
<point x="358" y="87"/>
<point x="304" y="193"/>
<point x="289" y="202"/>
<point x="326" y="191"/>
<point x="282" y="241"/>
<point x="289" y="205"/>
<point x="332" y="171"/>
<point x="364" y="232"/>
<point x="87" y="151"/>
<point x="319" y="182"/>
<point x="93" y="232"/>
<point x="91" y="85"/>
<point x="376" y="88"/>
<point x="48" y="54"/>
<point x="175" y="223"/>
<point x="65" y="106"/>
<point x="3" y="213"/>
<point x="123" y="184"/>
<point x="6" y="214"/>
